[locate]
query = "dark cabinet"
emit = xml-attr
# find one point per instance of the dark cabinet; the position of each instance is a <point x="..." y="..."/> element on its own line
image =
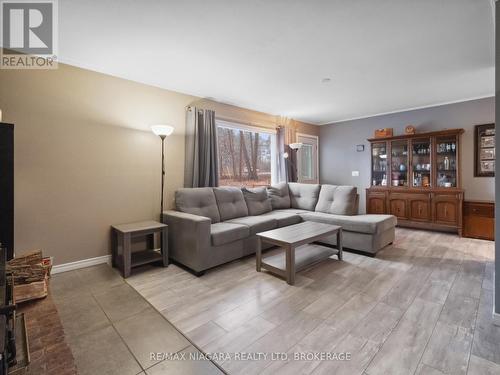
<point x="446" y="209"/>
<point x="397" y="206"/>
<point x="417" y="178"/>
<point x="7" y="188"/>
<point x="420" y="207"/>
<point x="376" y="203"/>
<point x="479" y="220"/>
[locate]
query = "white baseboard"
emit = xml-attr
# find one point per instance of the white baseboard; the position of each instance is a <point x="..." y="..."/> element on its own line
<point x="496" y="318"/>
<point x="81" y="264"/>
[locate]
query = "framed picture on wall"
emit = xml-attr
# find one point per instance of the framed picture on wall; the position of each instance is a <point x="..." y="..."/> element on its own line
<point x="484" y="150"/>
<point x="488" y="166"/>
<point x="487" y="154"/>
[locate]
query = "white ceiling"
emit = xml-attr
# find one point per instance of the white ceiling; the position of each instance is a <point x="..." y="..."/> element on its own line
<point x="382" y="56"/>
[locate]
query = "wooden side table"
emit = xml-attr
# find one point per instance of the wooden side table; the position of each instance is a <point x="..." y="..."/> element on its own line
<point x="121" y="239"/>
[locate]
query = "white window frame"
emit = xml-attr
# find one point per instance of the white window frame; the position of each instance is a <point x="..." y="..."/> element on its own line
<point x="255" y="129"/>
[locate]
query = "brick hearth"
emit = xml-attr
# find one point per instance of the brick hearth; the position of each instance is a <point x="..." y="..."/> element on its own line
<point x="50" y="354"/>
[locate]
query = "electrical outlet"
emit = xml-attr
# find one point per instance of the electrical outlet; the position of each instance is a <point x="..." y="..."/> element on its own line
<point x="355" y="173"/>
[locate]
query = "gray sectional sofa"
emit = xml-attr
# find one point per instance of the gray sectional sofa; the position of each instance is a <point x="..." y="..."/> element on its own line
<point x="212" y="226"/>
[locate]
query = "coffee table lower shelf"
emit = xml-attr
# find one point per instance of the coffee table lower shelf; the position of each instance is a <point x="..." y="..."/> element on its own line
<point x="305" y="256"/>
<point x="303" y="245"/>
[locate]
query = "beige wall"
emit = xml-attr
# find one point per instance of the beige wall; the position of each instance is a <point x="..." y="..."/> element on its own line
<point x="85" y="157"/>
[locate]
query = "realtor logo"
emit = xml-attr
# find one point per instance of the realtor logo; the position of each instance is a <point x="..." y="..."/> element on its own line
<point x="29" y="38"/>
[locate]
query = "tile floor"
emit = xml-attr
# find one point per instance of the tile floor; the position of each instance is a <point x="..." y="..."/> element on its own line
<point x="111" y="329"/>
<point x="422" y="306"/>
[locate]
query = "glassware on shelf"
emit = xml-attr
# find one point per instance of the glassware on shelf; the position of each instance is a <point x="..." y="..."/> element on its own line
<point x="446" y="163"/>
<point x="447" y="147"/>
<point x="379" y="164"/>
<point x="421" y="162"/>
<point x="399" y="164"/>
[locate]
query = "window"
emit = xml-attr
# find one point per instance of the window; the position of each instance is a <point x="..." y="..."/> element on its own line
<point x="247" y="155"/>
<point x="306" y="161"/>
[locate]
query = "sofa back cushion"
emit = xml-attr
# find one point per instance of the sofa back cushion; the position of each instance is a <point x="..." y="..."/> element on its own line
<point x="257" y="201"/>
<point x="338" y="200"/>
<point x="280" y="196"/>
<point x="304" y="196"/>
<point x="198" y="201"/>
<point x="231" y="202"/>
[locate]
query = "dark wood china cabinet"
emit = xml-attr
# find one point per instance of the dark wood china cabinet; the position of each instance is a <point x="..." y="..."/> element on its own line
<point x="417" y="178"/>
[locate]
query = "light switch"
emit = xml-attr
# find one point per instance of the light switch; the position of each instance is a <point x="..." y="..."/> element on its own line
<point x="355" y="173"/>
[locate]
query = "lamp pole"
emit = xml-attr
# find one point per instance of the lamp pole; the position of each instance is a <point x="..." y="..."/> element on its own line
<point x="163" y="131"/>
<point x="162" y="173"/>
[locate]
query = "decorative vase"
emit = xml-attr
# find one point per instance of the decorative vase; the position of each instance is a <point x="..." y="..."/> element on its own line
<point x="446" y="163"/>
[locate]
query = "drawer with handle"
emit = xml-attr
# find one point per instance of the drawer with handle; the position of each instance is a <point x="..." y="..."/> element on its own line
<point x="479" y="209"/>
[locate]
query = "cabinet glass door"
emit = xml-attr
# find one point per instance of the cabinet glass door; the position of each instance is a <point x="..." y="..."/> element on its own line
<point x="379" y="164"/>
<point x="399" y="163"/>
<point x="446" y="161"/>
<point x="421" y="162"/>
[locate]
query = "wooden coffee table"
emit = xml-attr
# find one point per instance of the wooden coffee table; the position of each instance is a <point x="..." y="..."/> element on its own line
<point x="302" y="247"/>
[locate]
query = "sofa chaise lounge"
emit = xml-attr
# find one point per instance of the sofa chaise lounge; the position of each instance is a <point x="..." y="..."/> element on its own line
<point x="212" y="226"/>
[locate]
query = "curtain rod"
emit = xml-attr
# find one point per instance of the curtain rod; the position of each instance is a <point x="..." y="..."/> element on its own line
<point x="238" y="121"/>
<point x="190" y="107"/>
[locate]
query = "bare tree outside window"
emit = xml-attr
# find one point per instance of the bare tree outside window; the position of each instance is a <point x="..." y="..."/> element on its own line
<point x="245" y="157"/>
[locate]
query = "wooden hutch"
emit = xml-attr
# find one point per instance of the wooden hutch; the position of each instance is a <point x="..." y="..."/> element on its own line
<point x="417" y="178"/>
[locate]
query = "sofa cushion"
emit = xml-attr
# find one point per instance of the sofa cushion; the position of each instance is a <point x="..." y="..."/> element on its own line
<point x="257" y="200"/>
<point x="292" y="211"/>
<point x="256" y="224"/>
<point x="370" y="224"/>
<point x="340" y="200"/>
<point x="280" y="196"/>
<point x="304" y="196"/>
<point x="230" y="202"/>
<point x="198" y="201"/>
<point x="222" y="233"/>
<point x="284" y="219"/>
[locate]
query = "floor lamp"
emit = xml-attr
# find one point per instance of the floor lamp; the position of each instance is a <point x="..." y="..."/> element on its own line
<point x="162" y="131"/>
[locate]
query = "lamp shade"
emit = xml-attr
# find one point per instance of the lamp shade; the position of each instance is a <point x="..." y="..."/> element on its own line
<point x="162" y="130"/>
<point x="296" y="146"/>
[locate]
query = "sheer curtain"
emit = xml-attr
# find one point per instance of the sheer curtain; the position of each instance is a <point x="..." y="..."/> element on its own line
<point x="281" y="149"/>
<point x="201" y="165"/>
<point x="291" y="162"/>
<point x="287" y="158"/>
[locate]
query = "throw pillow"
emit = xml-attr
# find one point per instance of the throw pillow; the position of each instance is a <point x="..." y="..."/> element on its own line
<point x="280" y="196"/>
<point x="258" y="202"/>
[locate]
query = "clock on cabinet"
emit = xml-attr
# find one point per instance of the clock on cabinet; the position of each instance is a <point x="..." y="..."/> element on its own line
<point x="410" y="129"/>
